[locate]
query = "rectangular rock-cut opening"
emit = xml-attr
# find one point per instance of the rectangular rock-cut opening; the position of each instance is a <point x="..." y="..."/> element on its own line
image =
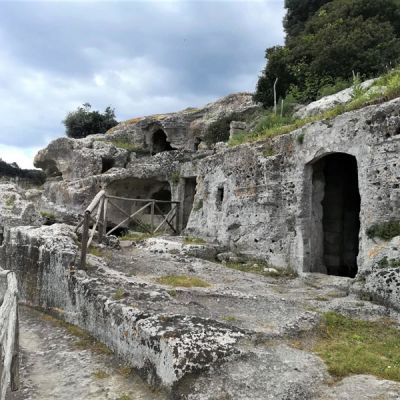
<point x="188" y="199"/>
<point x="220" y="197"/>
<point x="335" y="213"/>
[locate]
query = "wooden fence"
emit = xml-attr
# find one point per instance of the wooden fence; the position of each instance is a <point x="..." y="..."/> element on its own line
<point x="9" y="334"/>
<point x="95" y="218"/>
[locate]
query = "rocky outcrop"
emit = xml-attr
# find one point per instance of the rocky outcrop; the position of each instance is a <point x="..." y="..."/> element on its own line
<point x="22" y="177"/>
<point x="328" y="102"/>
<point x="162" y="347"/>
<point x="73" y="159"/>
<point x="188" y="128"/>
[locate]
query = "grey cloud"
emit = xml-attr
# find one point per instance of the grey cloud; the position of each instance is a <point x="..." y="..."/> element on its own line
<point x="140" y="57"/>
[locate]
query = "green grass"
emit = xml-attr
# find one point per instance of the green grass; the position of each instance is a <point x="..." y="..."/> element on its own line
<point x="48" y="215"/>
<point x="351" y="346"/>
<point x="100" y="374"/>
<point x="137" y="236"/>
<point x="124" y="396"/>
<point x="95" y="251"/>
<point x="282" y="125"/>
<point x="182" y="281"/>
<point x="119" y="294"/>
<point x="125" y="145"/>
<point x="258" y="267"/>
<point x="193" y="240"/>
<point x="229" y="318"/>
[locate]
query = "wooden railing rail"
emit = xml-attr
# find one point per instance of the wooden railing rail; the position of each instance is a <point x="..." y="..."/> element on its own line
<point x="95" y="218"/>
<point x="9" y="336"/>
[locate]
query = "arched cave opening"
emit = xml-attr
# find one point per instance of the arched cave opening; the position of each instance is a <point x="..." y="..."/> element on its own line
<point x="336" y="215"/>
<point x="160" y="142"/>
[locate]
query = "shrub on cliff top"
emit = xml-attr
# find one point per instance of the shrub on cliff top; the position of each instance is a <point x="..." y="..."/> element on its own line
<point x="83" y="122"/>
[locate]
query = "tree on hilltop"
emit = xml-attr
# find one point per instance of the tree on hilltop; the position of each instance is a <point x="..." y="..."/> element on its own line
<point x="83" y="122"/>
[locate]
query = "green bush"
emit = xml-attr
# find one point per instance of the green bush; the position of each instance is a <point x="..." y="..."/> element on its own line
<point x="332" y="88"/>
<point x="324" y="46"/>
<point x="385" y="230"/>
<point x="83" y="122"/>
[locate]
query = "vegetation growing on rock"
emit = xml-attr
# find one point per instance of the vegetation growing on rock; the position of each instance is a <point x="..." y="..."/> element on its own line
<point x="183" y="281"/>
<point x="387" y="87"/>
<point x="385" y="230"/>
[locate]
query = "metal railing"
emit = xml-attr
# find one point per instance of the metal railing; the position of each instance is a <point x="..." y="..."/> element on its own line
<point x="95" y="218"/>
<point x="9" y="334"/>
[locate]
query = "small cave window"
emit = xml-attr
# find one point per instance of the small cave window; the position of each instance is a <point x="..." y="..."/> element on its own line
<point x="160" y="142"/>
<point x="220" y="197"/>
<point x="1" y="235"/>
<point x="106" y="164"/>
<point x="197" y="144"/>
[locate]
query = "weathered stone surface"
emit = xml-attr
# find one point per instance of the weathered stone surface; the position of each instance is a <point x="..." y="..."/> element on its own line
<point x="267" y="209"/>
<point x="362" y="387"/>
<point x="381" y="281"/>
<point x="53" y="366"/>
<point x="277" y="373"/>
<point x="327" y="102"/>
<point x="188" y="128"/>
<point x="15" y="208"/>
<point x="162" y="347"/>
<point x="80" y="158"/>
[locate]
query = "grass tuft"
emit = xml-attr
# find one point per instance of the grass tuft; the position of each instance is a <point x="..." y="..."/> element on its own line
<point x="351" y="346"/>
<point x="100" y="374"/>
<point x="119" y="294"/>
<point x="183" y="281"/>
<point x="193" y="240"/>
<point x="138" y="236"/>
<point x="124" y="396"/>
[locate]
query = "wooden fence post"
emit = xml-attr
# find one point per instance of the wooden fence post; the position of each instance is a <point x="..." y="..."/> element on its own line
<point x="85" y="235"/>
<point x="152" y="217"/>
<point x="15" y="357"/>
<point x="177" y="227"/>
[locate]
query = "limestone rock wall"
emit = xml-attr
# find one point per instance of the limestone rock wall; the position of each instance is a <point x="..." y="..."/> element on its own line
<point x="162" y="348"/>
<point x="267" y="208"/>
<point x="264" y="199"/>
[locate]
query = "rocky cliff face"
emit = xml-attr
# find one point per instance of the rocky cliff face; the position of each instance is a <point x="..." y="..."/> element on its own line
<point x="276" y="200"/>
<point x="305" y="201"/>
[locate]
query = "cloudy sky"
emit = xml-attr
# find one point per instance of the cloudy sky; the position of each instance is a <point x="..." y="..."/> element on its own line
<point x="140" y="57"/>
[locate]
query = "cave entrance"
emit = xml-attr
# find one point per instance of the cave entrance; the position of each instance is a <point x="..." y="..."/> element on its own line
<point x="160" y="142"/>
<point x="143" y="190"/>
<point x="163" y="194"/>
<point x="188" y="199"/>
<point x="335" y="215"/>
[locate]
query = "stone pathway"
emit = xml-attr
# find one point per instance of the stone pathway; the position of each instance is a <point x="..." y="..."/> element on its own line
<point x="54" y="368"/>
